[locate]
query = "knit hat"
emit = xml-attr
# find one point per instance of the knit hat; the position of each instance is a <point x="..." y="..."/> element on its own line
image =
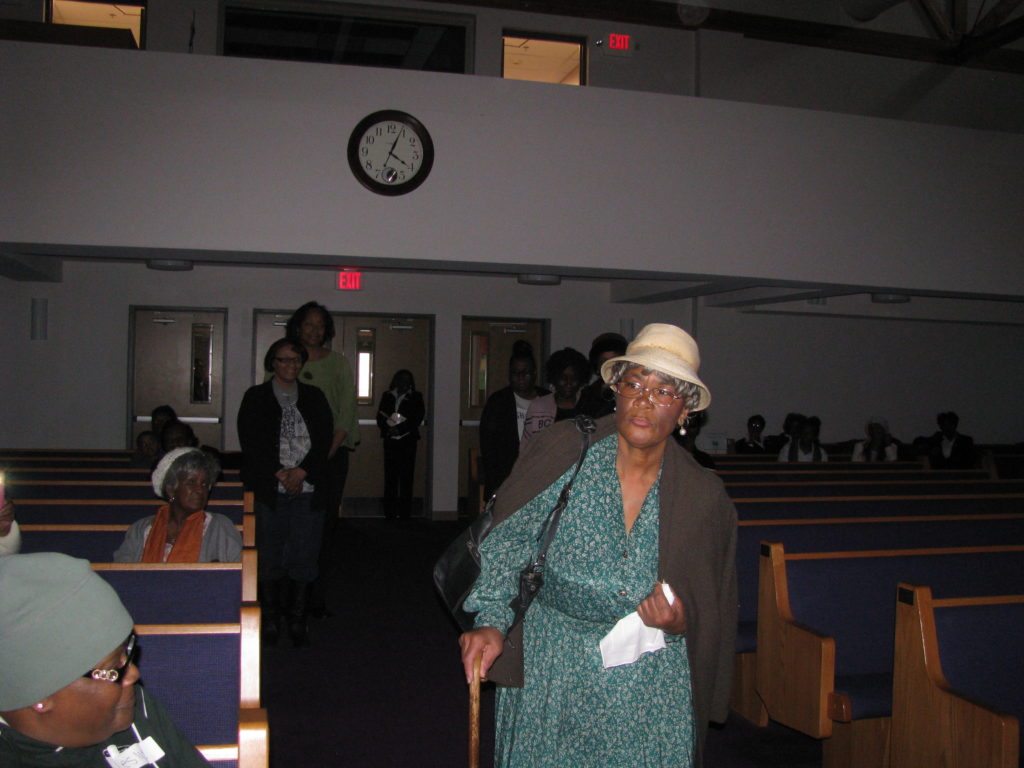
<point x="164" y="466"/>
<point x="665" y="349"/>
<point x="58" y="619"/>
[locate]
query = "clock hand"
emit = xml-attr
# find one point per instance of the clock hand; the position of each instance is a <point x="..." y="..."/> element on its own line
<point x="392" y="154"/>
<point x="395" y="142"/>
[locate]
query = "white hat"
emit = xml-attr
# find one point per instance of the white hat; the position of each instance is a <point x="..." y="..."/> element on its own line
<point x="665" y="349"/>
<point x="164" y="466"/>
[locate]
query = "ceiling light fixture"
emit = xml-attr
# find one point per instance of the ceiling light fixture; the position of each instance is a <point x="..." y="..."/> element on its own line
<point x="170" y="265"/>
<point x="537" y="279"/>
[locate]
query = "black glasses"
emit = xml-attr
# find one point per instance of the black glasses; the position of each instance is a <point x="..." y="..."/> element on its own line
<point x="288" y="360"/>
<point x="113" y="675"/>
<point x="660" y="396"/>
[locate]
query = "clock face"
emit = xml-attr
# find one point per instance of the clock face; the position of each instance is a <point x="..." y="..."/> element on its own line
<point x="390" y="152"/>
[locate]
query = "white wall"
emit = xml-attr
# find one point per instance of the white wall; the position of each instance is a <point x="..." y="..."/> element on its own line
<point x="71" y="390"/>
<point x="148" y="150"/>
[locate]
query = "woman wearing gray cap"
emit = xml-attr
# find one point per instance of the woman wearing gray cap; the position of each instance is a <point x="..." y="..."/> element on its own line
<point x="67" y="675"/>
<point x="643" y="555"/>
<point x="182" y="531"/>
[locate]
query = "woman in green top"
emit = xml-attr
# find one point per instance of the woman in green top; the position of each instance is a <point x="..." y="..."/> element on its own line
<point x="330" y="372"/>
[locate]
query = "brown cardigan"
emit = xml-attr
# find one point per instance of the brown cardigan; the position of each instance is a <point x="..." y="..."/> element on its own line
<point x="697" y="551"/>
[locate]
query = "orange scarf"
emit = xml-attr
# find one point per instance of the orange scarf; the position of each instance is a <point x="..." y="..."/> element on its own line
<point x="186" y="546"/>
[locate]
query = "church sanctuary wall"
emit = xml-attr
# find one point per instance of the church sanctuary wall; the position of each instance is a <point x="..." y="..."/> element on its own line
<point x="114" y="149"/>
<point x="71" y="389"/>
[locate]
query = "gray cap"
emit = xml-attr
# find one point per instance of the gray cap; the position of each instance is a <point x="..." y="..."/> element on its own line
<point x="58" y="619"/>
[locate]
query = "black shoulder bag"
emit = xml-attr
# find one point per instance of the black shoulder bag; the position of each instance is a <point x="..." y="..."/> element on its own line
<point x="457" y="570"/>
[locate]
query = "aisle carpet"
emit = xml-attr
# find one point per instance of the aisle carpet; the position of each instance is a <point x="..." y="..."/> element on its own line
<point x="381" y="686"/>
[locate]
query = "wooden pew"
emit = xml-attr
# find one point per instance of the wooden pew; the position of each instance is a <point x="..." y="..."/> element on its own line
<point x="199" y="637"/>
<point x="839" y="535"/>
<point x="107" y="474"/>
<point x="793" y="507"/>
<point x="824" y="635"/>
<point x="206" y="675"/>
<point x="957" y="681"/>
<point x="109" y="511"/>
<point x="96" y="542"/>
<point x="857" y="487"/>
<point x="140" y="490"/>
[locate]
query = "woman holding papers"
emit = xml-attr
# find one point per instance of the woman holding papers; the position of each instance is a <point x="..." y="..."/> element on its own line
<point x="629" y="643"/>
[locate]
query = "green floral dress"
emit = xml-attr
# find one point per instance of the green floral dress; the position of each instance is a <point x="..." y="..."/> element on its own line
<point x="572" y="711"/>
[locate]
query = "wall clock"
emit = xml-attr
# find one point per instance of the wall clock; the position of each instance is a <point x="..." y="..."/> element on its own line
<point x="390" y="152"/>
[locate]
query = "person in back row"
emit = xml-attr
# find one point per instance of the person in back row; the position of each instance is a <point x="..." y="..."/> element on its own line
<point x="753" y="442"/>
<point x="596" y="399"/>
<point x="182" y="531"/>
<point x="805" y="445"/>
<point x="504" y="416"/>
<point x="566" y="372"/>
<point x="67" y="676"/>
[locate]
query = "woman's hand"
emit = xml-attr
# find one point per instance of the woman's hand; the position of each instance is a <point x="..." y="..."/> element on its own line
<point x="291" y="479"/>
<point x="6" y="518"/>
<point x="485" y="640"/>
<point x="656" y="612"/>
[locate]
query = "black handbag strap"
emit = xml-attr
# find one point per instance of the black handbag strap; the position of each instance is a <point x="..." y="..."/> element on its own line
<point x="534" y="572"/>
<point x="586" y="426"/>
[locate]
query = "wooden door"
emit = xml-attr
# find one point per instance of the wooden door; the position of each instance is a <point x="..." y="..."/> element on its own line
<point x="486" y="348"/>
<point x="178" y="360"/>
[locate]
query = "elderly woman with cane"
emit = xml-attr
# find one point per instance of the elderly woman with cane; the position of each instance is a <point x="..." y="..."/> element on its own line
<point x="628" y="647"/>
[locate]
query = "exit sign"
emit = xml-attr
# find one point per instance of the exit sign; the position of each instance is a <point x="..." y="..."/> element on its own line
<point x="619" y="44"/>
<point x="350" y="281"/>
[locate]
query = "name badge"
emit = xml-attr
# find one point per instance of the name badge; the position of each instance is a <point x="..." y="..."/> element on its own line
<point x="145" y="752"/>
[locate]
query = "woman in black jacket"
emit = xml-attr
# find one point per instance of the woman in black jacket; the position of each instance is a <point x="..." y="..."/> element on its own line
<point x="399" y="417"/>
<point x="285" y="428"/>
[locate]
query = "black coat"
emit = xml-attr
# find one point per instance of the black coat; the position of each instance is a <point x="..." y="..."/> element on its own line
<point x="411" y="407"/>
<point x="499" y="438"/>
<point x="259" y="433"/>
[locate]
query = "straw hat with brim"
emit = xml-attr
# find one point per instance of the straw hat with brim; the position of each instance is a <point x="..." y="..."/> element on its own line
<point x="665" y="349"/>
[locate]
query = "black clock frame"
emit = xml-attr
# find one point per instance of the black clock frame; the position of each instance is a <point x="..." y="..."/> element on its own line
<point x="411" y="123"/>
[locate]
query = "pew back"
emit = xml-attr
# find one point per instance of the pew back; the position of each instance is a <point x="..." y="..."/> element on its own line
<point x="957" y="680"/>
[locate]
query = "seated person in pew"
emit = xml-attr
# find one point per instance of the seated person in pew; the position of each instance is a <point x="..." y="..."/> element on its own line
<point x="947" y="448"/>
<point x="67" y="678"/>
<point x="790" y="427"/>
<point x="805" y="445"/>
<point x="753" y="442"/>
<point x="182" y="531"/>
<point x="147" y="450"/>
<point x="880" y="445"/>
<point x="10" y="534"/>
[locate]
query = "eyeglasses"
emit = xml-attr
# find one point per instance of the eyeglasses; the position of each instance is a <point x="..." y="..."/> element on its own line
<point x="660" y="396"/>
<point x="113" y="675"/>
<point x="288" y="360"/>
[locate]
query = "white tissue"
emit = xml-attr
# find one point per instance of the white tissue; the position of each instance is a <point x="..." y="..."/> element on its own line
<point x="630" y="638"/>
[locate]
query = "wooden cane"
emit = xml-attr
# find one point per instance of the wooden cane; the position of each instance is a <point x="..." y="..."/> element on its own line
<point x="474" y="715"/>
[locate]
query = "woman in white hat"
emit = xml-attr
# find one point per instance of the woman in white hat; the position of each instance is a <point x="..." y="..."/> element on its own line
<point x="646" y="530"/>
<point x="182" y="531"/>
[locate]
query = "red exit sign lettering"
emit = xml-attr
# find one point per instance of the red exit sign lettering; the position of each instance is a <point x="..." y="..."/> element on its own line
<point x="619" y="42"/>
<point x="350" y="281"/>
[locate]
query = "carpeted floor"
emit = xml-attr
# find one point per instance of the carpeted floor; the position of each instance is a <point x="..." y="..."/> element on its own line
<point x="381" y="686"/>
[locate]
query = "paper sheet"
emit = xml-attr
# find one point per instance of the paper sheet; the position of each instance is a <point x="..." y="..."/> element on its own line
<point x="630" y="638"/>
